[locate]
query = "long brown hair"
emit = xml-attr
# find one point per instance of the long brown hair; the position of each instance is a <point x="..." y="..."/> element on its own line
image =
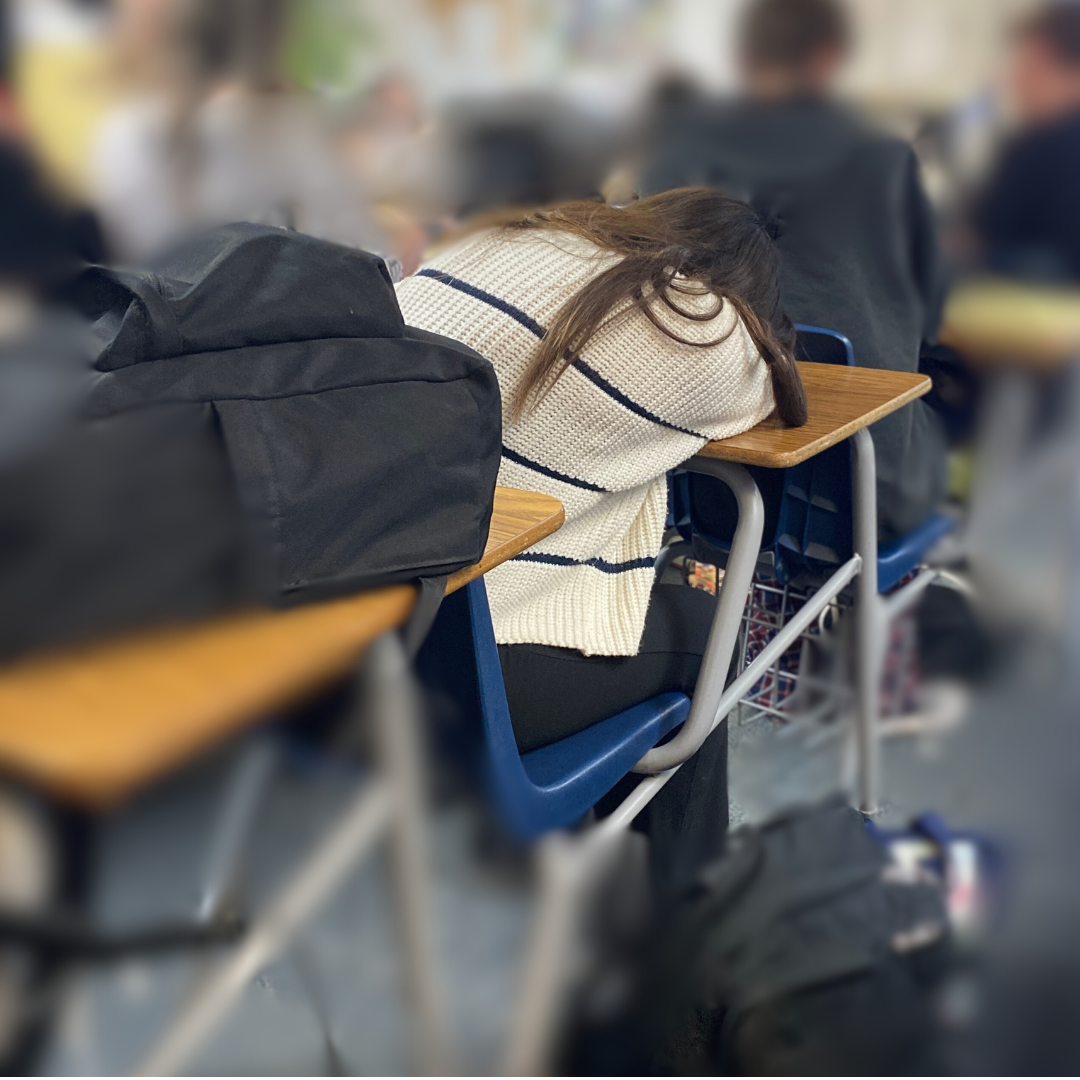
<point x="692" y="241"/>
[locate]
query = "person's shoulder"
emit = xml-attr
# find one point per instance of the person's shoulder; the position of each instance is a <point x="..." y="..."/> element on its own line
<point x="800" y="136"/>
<point x="1057" y="138"/>
<point x="873" y="148"/>
<point x="866" y="134"/>
<point x="721" y="117"/>
<point x="567" y="244"/>
<point x="523" y="245"/>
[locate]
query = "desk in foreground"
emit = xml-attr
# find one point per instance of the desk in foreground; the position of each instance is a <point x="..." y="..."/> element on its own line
<point x="92" y="724"/>
<point x="840" y="401"/>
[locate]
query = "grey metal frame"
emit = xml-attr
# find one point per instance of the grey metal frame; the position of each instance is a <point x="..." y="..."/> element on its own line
<point x="753" y="703"/>
<point x="249" y="779"/>
<point x="713" y="699"/>
<point x="391" y="804"/>
<point x="869" y="623"/>
<point x="727" y="621"/>
<point x="568" y="865"/>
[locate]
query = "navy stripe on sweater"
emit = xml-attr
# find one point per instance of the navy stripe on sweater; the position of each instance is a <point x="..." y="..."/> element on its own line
<point x="597" y="564"/>
<point x="543" y="470"/>
<point x="597" y="379"/>
<point x="531" y="324"/>
<point x="515" y="313"/>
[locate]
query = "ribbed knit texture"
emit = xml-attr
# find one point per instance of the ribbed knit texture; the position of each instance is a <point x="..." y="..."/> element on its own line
<point x="633" y="405"/>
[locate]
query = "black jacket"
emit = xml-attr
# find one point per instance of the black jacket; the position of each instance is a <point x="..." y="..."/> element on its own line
<point x="1029" y="216"/>
<point x="857" y="247"/>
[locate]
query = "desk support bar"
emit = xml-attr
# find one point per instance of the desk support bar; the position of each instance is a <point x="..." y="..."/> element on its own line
<point x="784" y="638"/>
<point x="393" y="702"/>
<point x="726" y="622"/>
<point x="869" y="622"/>
<point x="250" y="776"/>
<point x="354" y="834"/>
<point x="895" y="604"/>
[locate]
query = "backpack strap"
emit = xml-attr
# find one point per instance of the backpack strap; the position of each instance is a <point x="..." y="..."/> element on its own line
<point x="432" y="591"/>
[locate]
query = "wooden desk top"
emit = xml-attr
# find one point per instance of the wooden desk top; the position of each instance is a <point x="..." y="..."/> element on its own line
<point x="996" y="323"/>
<point x="840" y="401"/>
<point x="92" y="724"/>
<point x="520" y="519"/>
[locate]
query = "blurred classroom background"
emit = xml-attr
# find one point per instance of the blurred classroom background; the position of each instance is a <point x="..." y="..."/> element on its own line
<point x="394" y="126"/>
<point x="418" y="98"/>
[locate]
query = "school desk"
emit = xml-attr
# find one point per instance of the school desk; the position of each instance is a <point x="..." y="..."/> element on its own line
<point x="998" y="324"/>
<point x="842" y="402"/>
<point x="1024" y="340"/>
<point x="90" y="725"/>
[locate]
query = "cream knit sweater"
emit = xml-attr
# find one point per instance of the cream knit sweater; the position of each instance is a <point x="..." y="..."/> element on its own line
<point x="633" y="405"/>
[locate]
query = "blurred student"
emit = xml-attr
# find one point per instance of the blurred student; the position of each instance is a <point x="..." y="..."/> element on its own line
<point x="855" y="231"/>
<point x="43" y="239"/>
<point x="216" y="136"/>
<point x="623" y="340"/>
<point x="388" y="147"/>
<point x="1029" y="217"/>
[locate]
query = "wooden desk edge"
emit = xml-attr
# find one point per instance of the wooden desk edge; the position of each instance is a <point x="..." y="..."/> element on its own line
<point x="498" y="555"/>
<point x="110" y="787"/>
<point x="727" y="450"/>
<point x="107" y="789"/>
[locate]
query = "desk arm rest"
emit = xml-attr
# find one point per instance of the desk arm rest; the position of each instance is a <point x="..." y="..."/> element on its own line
<point x="738" y="577"/>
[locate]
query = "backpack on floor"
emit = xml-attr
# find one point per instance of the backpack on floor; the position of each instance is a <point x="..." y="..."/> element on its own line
<point x="805" y="953"/>
<point x="362" y="451"/>
<point x="802" y="951"/>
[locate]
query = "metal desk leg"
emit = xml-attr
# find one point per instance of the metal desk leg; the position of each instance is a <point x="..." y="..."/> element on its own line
<point x="869" y="628"/>
<point x="393" y="703"/>
<point x="354" y="834"/>
<point x="250" y="777"/>
<point x="727" y="622"/>
<point x="568" y="870"/>
<point x="390" y="802"/>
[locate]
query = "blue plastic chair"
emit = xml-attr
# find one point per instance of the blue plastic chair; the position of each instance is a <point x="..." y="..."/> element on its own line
<point x="556" y="785"/>
<point x="812" y="527"/>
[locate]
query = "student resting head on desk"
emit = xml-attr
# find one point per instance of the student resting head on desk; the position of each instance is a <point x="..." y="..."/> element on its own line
<point x="624" y="339"/>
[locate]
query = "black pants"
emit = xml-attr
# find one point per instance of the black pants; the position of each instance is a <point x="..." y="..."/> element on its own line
<point x="555" y="692"/>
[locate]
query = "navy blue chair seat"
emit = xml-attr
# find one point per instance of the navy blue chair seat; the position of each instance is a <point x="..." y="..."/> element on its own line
<point x="555" y="786"/>
<point x="900" y="557"/>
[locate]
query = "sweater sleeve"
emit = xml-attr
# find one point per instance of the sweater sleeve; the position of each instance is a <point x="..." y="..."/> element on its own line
<point x="636" y="402"/>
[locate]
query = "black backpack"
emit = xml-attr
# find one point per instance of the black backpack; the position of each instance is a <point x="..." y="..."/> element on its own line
<point x="798" y="952"/>
<point x="362" y="451"/>
<point x="107" y="524"/>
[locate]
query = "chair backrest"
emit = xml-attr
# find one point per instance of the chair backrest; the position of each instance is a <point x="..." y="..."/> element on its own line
<point x="820" y="346"/>
<point x="814" y="530"/>
<point x="547" y="788"/>
<point x="514" y="790"/>
<point x="470" y="717"/>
